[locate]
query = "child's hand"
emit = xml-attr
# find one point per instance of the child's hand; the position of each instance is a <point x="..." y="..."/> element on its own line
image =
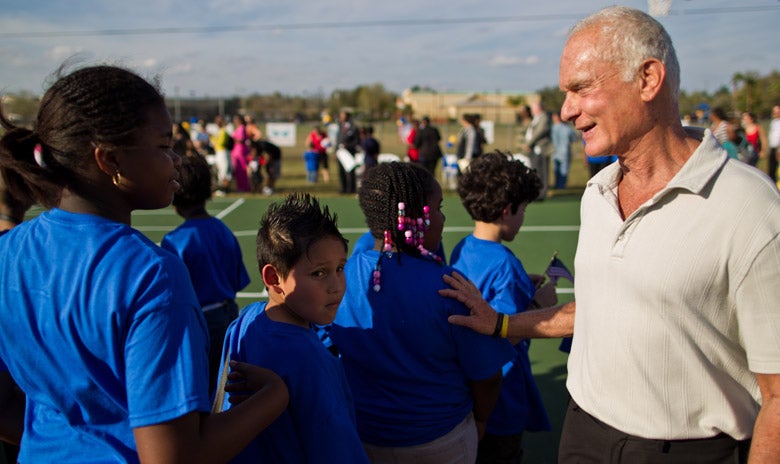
<point x="545" y="296"/>
<point x="481" y="429"/>
<point x="537" y="279"/>
<point x="245" y="379"/>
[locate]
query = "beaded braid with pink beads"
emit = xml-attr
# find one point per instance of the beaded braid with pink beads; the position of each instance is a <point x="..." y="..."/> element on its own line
<point x="387" y="193"/>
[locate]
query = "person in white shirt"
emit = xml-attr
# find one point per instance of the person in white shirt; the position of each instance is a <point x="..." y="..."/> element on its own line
<point x="677" y="353"/>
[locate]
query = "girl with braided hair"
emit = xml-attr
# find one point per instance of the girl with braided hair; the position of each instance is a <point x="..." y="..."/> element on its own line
<point x="422" y="390"/>
<point x="101" y="328"/>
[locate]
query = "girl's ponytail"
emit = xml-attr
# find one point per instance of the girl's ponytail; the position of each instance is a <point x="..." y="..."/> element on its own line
<point x="26" y="181"/>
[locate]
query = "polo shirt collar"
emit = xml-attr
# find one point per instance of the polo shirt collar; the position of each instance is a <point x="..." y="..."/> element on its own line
<point x="706" y="161"/>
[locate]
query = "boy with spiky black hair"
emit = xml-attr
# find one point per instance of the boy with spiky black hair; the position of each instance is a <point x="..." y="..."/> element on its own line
<point x="301" y="256"/>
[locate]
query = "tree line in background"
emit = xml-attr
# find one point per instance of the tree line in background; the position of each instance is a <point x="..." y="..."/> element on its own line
<point x="747" y="91"/>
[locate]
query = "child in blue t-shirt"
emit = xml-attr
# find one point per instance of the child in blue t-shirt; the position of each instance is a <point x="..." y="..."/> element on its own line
<point x="312" y="160"/>
<point x="495" y="190"/>
<point x="106" y="337"/>
<point x="211" y="253"/>
<point x="423" y="388"/>
<point x="301" y="255"/>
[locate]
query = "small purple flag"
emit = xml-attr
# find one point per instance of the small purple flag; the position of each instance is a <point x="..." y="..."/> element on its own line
<point x="557" y="269"/>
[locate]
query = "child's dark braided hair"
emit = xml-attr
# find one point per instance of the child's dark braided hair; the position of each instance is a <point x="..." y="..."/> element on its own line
<point x="98" y="105"/>
<point x="385" y="186"/>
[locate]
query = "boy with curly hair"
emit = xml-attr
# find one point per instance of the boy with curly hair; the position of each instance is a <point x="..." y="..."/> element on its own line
<point x="495" y="190"/>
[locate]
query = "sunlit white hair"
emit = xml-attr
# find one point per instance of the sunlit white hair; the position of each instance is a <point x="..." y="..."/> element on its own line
<point x="630" y="36"/>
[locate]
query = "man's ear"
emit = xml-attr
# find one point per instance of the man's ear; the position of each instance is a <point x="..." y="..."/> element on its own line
<point x="271" y="278"/>
<point x="652" y="74"/>
<point x="106" y="160"/>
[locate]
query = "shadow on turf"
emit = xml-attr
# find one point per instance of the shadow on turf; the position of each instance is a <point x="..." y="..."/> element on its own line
<point x="542" y="447"/>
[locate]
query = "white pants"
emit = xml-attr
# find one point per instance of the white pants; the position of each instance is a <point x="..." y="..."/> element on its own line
<point x="222" y="162"/>
<point x="458" y="446"/>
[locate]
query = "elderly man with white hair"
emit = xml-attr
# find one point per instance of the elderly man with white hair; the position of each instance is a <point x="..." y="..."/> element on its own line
<point x="676" y="356"/>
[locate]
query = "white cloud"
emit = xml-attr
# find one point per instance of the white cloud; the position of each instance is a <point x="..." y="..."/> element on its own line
<point x="62" y="52"/>
<point x="503" y="60"/>
<point x="149" y="63"/>
<point x="377" y="42"/>
<point x="181" y="68"/>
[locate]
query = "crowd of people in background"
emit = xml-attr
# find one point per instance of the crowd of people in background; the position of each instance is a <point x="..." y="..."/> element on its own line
<point x="243" y="160"/>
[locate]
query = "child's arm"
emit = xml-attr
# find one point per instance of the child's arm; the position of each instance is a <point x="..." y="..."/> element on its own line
<point x="485" y="393"/>
<point x="197" y="437"/>
<point x="12" y="407"/>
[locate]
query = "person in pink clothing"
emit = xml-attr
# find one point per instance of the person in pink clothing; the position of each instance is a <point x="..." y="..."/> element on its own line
<point x="411" y="150"/>
<point x="239" y="154"/>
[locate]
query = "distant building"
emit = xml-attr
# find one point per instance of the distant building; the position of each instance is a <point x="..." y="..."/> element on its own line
<point x="499" y="107"/>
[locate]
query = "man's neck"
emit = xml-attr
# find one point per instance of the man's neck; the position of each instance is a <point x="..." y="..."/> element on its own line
<point x="658" y="156"/>
<point x="651" y="164"/>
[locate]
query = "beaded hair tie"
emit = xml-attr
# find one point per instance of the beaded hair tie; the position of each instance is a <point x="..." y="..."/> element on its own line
<point x="387" y="250"/>
<point x="414" y="234"/>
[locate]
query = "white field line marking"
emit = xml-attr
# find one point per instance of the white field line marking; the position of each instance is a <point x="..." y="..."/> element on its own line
<point x="264" y="293"/>
<point x="220" y="215"/>
<point x="230" y="208"/>
<point x="360" y="230"/>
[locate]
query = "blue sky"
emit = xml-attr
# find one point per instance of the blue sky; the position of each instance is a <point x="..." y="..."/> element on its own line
<point x="304" y="46"/>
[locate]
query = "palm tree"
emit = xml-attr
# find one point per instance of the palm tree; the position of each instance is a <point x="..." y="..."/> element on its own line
<point x="749" y="80"/>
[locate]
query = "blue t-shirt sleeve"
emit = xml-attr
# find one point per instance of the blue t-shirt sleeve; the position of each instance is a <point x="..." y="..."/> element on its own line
<point x="480" y="356"/>
<point x="166" y="364"/>
<point x="365" y="242"/>
<point x="513" y="289"/>
<point x="242" y="275"/>
<point x="167" y="243"/>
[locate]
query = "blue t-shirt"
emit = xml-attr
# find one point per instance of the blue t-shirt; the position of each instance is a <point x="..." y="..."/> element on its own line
<point x="408" y="367"/>
<point x="102" y="331"/>
<point x="213" y="257"/>
<point x="3" y="367"/>
<point x="312" y="159"/>
<point x="365" y="242"/>
<point x="602" y="159"/>
<point x="318" y="425"/>
<point x="505" y="284"/>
